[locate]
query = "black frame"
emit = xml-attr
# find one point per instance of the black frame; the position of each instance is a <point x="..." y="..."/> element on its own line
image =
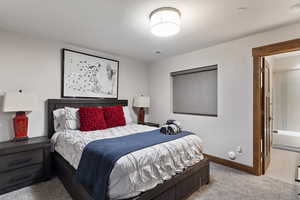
<point x="190" y="71"/>
<point x="53" y="104"/>
<point x="63" y="71"/>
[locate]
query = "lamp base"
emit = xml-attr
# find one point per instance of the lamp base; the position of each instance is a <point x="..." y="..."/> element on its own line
<point x="20" y="139"/>
<point x="141" y="117"/>
<point x="20" y="126"/>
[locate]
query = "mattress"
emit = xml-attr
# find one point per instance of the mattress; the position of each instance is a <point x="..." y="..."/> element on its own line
<point x="138" y="171"/>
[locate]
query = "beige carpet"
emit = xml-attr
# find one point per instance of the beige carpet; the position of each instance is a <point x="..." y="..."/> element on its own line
<point x="283" y="165"/>
<point x="226" y="184"/>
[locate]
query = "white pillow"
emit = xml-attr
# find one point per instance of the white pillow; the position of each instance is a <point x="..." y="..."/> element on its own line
<point x="71" y="121"/>
<point x="59" y="118"/>
<point x="66" y="119"/>
<point x="127" y="115"/>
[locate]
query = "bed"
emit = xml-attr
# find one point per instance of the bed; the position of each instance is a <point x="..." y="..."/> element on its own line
<point x="178" y="187"/>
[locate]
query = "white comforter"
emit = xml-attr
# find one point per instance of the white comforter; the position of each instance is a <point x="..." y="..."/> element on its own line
<point x="138" y="171"/>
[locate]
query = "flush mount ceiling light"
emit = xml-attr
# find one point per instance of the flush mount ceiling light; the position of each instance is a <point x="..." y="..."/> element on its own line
<point x="165" y="21"/>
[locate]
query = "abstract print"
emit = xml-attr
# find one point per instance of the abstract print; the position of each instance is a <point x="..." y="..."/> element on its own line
<point x="89" y="76"/>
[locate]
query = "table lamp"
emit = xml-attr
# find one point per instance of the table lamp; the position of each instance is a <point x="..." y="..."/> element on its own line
<point x="141" y="102"/>
<point x="20" y="103"/>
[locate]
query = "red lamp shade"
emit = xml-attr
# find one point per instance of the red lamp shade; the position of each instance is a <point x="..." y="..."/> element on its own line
<point x="20" y="103"/>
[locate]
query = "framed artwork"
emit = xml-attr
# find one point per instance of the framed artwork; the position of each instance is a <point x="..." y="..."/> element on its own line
<point x="88" y="76"/>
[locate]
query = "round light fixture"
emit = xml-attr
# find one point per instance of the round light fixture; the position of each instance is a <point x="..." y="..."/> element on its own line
<point x="165" y="21"/>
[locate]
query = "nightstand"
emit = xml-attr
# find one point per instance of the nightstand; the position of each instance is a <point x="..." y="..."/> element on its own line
<point x="150" y="124"/>
<point x="24" y="163"/>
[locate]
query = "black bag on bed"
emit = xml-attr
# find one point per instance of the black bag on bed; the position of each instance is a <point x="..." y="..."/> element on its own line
<point x="171" y="127"/>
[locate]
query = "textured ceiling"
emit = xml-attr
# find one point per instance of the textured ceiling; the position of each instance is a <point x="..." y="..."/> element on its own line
<point x="122" y="27"/>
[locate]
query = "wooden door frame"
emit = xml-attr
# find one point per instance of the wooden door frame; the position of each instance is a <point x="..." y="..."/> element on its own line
<point x="258" y="115"/>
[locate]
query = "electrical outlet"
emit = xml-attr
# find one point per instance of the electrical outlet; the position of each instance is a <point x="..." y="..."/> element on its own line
<point x="239" y="150"/>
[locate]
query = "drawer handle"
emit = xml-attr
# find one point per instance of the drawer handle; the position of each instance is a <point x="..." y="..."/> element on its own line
<point x="19" y="178"/>
<point x="19" y="162"/>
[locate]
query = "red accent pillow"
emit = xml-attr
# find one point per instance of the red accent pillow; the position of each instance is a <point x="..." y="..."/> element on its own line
<point x="114" y="116"/>
<point x="91" y="119"/>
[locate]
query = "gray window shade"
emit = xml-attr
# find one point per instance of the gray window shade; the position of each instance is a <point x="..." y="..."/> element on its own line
<point x="195" y="91"/>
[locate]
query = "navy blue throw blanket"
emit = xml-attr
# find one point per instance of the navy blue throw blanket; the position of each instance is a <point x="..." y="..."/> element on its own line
<point x="99" y="157"/>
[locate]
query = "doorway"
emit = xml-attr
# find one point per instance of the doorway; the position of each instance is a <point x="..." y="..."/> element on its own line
<point x="283" y="113"/>
<point x="262" y="102"/>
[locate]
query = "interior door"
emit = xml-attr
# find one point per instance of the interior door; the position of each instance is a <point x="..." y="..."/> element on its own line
<point x="266" y="139"/>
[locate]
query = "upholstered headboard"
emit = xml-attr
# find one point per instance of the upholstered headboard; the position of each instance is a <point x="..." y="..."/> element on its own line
<point x="53" y="104"/>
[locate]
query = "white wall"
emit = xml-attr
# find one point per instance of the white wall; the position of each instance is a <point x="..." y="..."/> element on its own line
<point x="233" y="126"/>
<point x="287" y="63"/>
<point x="34" y="65"/>
<point x="287" y="93"/>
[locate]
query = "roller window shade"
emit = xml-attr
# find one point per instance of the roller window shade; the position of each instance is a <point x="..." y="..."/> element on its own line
<point x="195" y="91"/>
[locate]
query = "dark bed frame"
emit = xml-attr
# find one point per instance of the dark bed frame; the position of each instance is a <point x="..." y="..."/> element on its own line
<point x="180" y="187"/>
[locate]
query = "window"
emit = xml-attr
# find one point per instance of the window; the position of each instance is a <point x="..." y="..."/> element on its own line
<point x="195" y="91"/>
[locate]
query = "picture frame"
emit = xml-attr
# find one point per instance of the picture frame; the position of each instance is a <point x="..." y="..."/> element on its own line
<point x="88" y="76"/>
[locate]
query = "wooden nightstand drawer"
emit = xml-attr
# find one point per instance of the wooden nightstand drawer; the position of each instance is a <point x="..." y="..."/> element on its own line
<point x="24" y="163"/>
<point x="22" y="159"/>
<point x="21" y="176"/>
